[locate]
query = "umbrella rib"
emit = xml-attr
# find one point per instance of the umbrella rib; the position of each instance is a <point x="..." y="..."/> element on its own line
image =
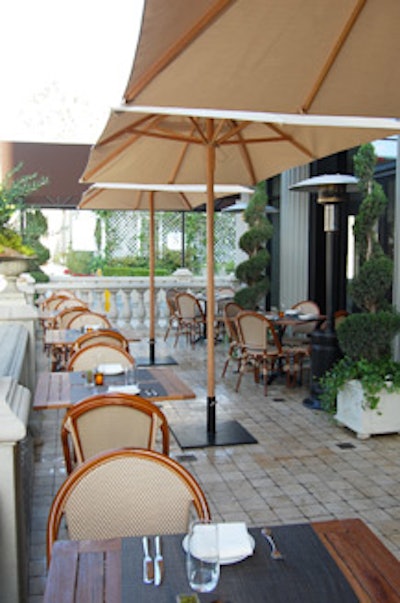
<point x="181" y="157"/>
<point x="292" y="141"/>
<point x="175" y="50"/>
<point x="155" y="119"/>
<point x="247" y="160"/>
<point x="335" y="51"/>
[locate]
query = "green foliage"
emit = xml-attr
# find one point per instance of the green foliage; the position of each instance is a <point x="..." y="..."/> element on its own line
<point x="254" y="242"/>
<point x="39" y="276"/>
<point x="373" y="205"/>
<point x="368" y="336"/>
<point x="13" y="192"/>
<point x="381" y="374"/>
<point x="79" y="262"/>
<point x="131" y="271"/>
<point x="369" y="289"/>
<point x="35" y="227"/>
<point x="9" y="239"/>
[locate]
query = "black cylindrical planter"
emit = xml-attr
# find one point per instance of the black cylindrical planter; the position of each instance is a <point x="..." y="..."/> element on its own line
<point x="325" y="352"/>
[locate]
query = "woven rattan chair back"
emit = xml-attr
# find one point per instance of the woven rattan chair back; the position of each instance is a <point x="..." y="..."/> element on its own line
<point x="70" y="302"/>
<point x="104" y="336"/>
<point x="306" y="307"/>
<point x="188" y="306"/>
<point x="89" y="318"/>
<point x="51" y="303"/>
<point x="64" y="317"/>
<point x="191" y="317"/>
<point x="231" y="310"/>
<point x="259" y="344"/>
<point x="172" y="309"/>
<point x="90" y="357"/>
<point x="128" y="492"/>
<point x="114" y="420"/>
<point x="256" y="332"/>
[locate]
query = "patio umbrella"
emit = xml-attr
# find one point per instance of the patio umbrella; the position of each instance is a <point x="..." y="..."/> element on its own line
<point x="185" y="146"/>
<point x="298" y="56"/>
<point x="113" y="196"/>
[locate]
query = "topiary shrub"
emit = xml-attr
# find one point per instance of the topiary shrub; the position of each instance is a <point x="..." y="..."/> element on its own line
<point x="254" y="241"/>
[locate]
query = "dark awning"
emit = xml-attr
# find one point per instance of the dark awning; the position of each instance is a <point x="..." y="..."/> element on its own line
<point x="61" y="163"/>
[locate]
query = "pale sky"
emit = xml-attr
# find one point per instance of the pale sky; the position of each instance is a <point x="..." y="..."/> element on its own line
<point x="64" y="64"/>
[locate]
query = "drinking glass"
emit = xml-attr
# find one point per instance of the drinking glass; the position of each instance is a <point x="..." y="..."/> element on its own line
<point x="202" y="556"/>
<point x="130" y="375"/>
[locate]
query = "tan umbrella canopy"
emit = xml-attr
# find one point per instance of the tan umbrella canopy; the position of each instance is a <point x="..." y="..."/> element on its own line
<point x="309" y="57"/>
<point x="185" y="146"/>
<point x="151" y="198"/>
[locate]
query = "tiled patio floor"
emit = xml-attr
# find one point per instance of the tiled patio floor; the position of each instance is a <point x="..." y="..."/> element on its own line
<point x="303" y="467"/>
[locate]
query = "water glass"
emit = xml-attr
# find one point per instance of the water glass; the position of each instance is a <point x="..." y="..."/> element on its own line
<point x="130" y="375"/>
<point x="202" y="556"/>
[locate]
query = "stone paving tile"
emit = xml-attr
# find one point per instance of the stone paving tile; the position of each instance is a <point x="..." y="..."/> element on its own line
<point x="296" y="472"/>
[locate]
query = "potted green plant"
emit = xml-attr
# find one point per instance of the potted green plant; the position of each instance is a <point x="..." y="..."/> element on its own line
<point x="15" y="254"/>
<point x="363" y="388"/>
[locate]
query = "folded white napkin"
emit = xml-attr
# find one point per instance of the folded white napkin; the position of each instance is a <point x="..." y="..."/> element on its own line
<point x="234" y="540"/>
<point x="124" y="389"/>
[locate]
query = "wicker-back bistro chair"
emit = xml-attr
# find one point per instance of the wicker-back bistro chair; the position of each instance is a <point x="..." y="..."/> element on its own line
<point x="259" y="344"/>
<point x="172" y="310"/>
<point x="63" y="318"/>
<point x="70" y="302"/>
<point x="89" y="318"/>
<point x="103" y="336"/>
<point x="128" y="492"/>
<point x="191" y="318"/>
<point x="112" y="420"/>
<point x="231" y="310"/>
<point x="88" y="358"/>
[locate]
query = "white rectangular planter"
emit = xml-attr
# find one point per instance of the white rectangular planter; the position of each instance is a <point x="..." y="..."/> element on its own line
<point x="354" y="412"/>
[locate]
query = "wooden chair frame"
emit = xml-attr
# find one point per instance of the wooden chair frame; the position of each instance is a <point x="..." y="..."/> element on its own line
<point x="121" y="355"/>
<point x="259" y="354"/>
<point x="70" y="433"/>
<point x="112" y="337"/>
<point x="89" y="318"/>
<point x="231" y="310"/>
<point x="94" y="469"/>
<point x="191" y="318"/>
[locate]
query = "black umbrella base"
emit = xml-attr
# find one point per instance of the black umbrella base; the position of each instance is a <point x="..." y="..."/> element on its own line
<point x="312" y="403"/>
<point x="160" y="361"/>
<point x="228" y="433"/>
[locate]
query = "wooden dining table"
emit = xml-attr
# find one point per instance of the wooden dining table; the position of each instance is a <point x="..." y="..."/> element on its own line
<point x="60" y="342"/>
<point x="338" y="561"/>
<point x="56" y="390"/>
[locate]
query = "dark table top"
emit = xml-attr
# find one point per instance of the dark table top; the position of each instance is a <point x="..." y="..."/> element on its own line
<point x="334" y="561"/>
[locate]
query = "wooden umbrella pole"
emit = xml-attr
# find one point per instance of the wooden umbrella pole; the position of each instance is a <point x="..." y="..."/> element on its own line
<point x="152" y="281"/>
<point x="211" y="411"/>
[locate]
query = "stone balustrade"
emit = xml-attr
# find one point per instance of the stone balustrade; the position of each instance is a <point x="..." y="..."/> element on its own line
<point x="128" y="296"/>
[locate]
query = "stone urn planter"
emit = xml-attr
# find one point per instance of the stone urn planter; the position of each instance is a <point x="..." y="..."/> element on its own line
<point x="12" y="264"/>
<point x="355" y="413"/>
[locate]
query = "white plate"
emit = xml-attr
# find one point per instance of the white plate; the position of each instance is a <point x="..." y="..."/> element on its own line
<point x="110" y="369"/>
<point x="291" y="312"/>
<point x="226" y="560"/>
<point x="307" y="316"/>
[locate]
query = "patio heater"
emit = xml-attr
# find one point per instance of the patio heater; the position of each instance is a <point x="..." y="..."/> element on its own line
<point x="332" y="189"/>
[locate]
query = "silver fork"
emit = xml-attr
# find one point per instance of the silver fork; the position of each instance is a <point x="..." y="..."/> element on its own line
<point x="275" y="553"/>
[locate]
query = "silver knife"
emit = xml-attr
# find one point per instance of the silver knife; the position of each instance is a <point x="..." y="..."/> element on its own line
<point x="148" y="567"/>
<point x="158" y="562"/>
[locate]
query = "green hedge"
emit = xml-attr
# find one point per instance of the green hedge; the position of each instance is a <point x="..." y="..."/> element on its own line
<point x="130" y="271"/>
